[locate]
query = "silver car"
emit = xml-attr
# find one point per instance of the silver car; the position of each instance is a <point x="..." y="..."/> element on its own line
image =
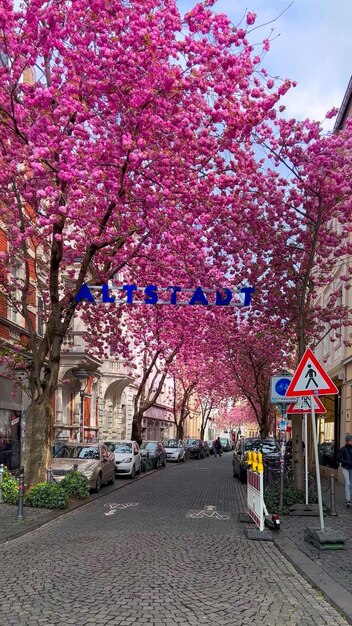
<point x="175" y="450"/>
<point x="127" y="456"/>
<point x="94" y="461"/>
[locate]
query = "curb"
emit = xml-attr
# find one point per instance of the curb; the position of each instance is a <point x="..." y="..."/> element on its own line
<point x="72" y="509"/>
<point x="336" y="595"/>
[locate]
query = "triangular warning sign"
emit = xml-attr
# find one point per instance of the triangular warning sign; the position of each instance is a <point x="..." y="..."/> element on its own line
<point x="310" y="378"/>
<point x="303" y="405"/>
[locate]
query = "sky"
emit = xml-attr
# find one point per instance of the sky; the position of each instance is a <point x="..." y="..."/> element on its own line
<point x="313" y="46"/>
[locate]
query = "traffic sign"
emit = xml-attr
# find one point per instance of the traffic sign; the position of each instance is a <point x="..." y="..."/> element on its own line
<point x="310" y="378"/>
<point x="303" y="405"/>
<point x="279" y="386"/>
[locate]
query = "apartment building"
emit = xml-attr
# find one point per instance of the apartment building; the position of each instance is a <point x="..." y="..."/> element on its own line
<point x="337" y="358"/>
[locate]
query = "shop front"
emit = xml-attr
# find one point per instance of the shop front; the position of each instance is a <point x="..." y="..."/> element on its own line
<point x="10" y="423"/>
<point x="328" y="431"/>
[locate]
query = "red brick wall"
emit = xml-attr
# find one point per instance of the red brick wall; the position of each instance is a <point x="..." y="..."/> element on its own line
<point x="3" y="305"/>
<point x="3" y="241"/>
<point x="4" y="332"/>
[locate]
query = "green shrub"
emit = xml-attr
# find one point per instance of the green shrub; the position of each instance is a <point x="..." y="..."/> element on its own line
<point x="9" y="488"/>
<point x="146" y="465"/>
<point x="291" y="496"/>
<point x="75" y="485"/>
<point x="47" y="496"/>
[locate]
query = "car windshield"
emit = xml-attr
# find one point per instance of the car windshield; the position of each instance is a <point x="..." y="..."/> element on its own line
<point x="192" y="442"/>
<point x="224" y="441"/>
<point x="266" y="446"/>
<point x="171" y="443"/>
<point x="148" y="445"/>
<point x="121" y="446"/>
<point x="78" y="452"/>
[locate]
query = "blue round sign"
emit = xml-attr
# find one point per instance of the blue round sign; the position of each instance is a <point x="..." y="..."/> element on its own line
<point x="281" y="386"/>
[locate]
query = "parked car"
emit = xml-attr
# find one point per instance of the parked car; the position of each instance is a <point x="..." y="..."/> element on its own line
<point x="210" y="446"/>
<point x="226" y="444"/>
<point x="154" y="451"/>
<point x="269" y="448"/>
<point x="175" y="450"/>
<point x="195" y="448"/>
<point x="127" y="457"/>
<point x="206" y="448"/>
<point x="96" y="462"/>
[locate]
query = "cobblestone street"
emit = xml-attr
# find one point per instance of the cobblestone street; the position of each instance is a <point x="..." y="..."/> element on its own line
<point x="152" y="563"/>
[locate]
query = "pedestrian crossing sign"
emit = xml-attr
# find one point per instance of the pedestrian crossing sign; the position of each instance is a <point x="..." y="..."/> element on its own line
<point x="310" y="378"/>
<point x="303" y="405"/>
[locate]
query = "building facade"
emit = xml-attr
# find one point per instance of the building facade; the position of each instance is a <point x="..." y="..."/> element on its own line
<point x="336" y="355"/>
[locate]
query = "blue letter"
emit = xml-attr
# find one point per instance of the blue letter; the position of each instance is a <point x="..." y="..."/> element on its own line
<point x="247" y="295"/>
<point x="173" y="299"/>
<point x="84" y="294"/>
<point x="151" y="297"/>
<point x="106" y="297"/>
<point x="224" y="296"/>
<point x="130" y="289"/>
<point x="198" y="297"/>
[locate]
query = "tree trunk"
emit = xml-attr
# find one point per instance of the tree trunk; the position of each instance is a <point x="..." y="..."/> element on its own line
<point x="297" y="452"/>
<point x="201" y="434"/>
<point x="264" y="428"/>
<point x="137" y="428"/>
<point x="38" y="441"/>
<point x="180" y="431"/>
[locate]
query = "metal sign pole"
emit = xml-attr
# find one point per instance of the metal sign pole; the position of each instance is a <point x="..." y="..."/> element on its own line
<point x="306" y="454"/>
<point x="317" y="469"/>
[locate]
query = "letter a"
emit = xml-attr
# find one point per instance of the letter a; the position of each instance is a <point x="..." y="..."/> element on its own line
<point x="84" y="294"/>
<point x="198" y="297"/>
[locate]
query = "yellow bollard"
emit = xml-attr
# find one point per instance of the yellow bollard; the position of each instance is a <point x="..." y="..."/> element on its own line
<point x="254" y="462"/>
<point x="260" y="463"/>
<point x="249" y="458"/>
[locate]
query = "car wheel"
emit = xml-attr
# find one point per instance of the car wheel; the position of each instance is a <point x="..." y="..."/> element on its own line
<point x="178" y="458"/>
<point x="112" y="479"/>
<point x="133" y="473"/>
<point x="98" y="484"/>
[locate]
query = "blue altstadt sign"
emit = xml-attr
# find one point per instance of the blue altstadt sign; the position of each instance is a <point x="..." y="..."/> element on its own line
<point x="151" y="294"/>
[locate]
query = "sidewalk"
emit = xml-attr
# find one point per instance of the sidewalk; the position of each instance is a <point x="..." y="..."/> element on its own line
<point x="329" y="571"/>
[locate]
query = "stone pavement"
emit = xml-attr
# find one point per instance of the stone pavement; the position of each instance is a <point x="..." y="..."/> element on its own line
<point x="167" y="550"/>
<point x="10" y="528"/>
<point x="329" y="570"/>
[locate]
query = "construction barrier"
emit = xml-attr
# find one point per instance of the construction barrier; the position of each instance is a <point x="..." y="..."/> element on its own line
<point x="255" y="489"/>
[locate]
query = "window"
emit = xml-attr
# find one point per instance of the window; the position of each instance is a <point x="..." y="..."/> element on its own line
<point x="16" y="294"/>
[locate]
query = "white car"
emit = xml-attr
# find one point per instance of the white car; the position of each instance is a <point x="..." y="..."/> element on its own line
<point x="127" y="457"/>
<point x="175" y="450"/>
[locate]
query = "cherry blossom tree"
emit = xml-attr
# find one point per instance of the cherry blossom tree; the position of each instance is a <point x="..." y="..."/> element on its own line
<point x="309" y="199"/>
<point x="233" y="416"/>
<point x="133" y="121"/>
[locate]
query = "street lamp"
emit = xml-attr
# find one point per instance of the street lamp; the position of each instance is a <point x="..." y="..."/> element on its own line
<point x="81" y="375"/>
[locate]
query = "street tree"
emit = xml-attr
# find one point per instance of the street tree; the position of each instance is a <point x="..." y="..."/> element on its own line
<point x="308" y="198"/>
<point x="131" y="138"/>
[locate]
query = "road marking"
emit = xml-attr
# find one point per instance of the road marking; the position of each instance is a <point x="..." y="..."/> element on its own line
<point x="115" y="506"/>
<point x="209" y="512"/>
